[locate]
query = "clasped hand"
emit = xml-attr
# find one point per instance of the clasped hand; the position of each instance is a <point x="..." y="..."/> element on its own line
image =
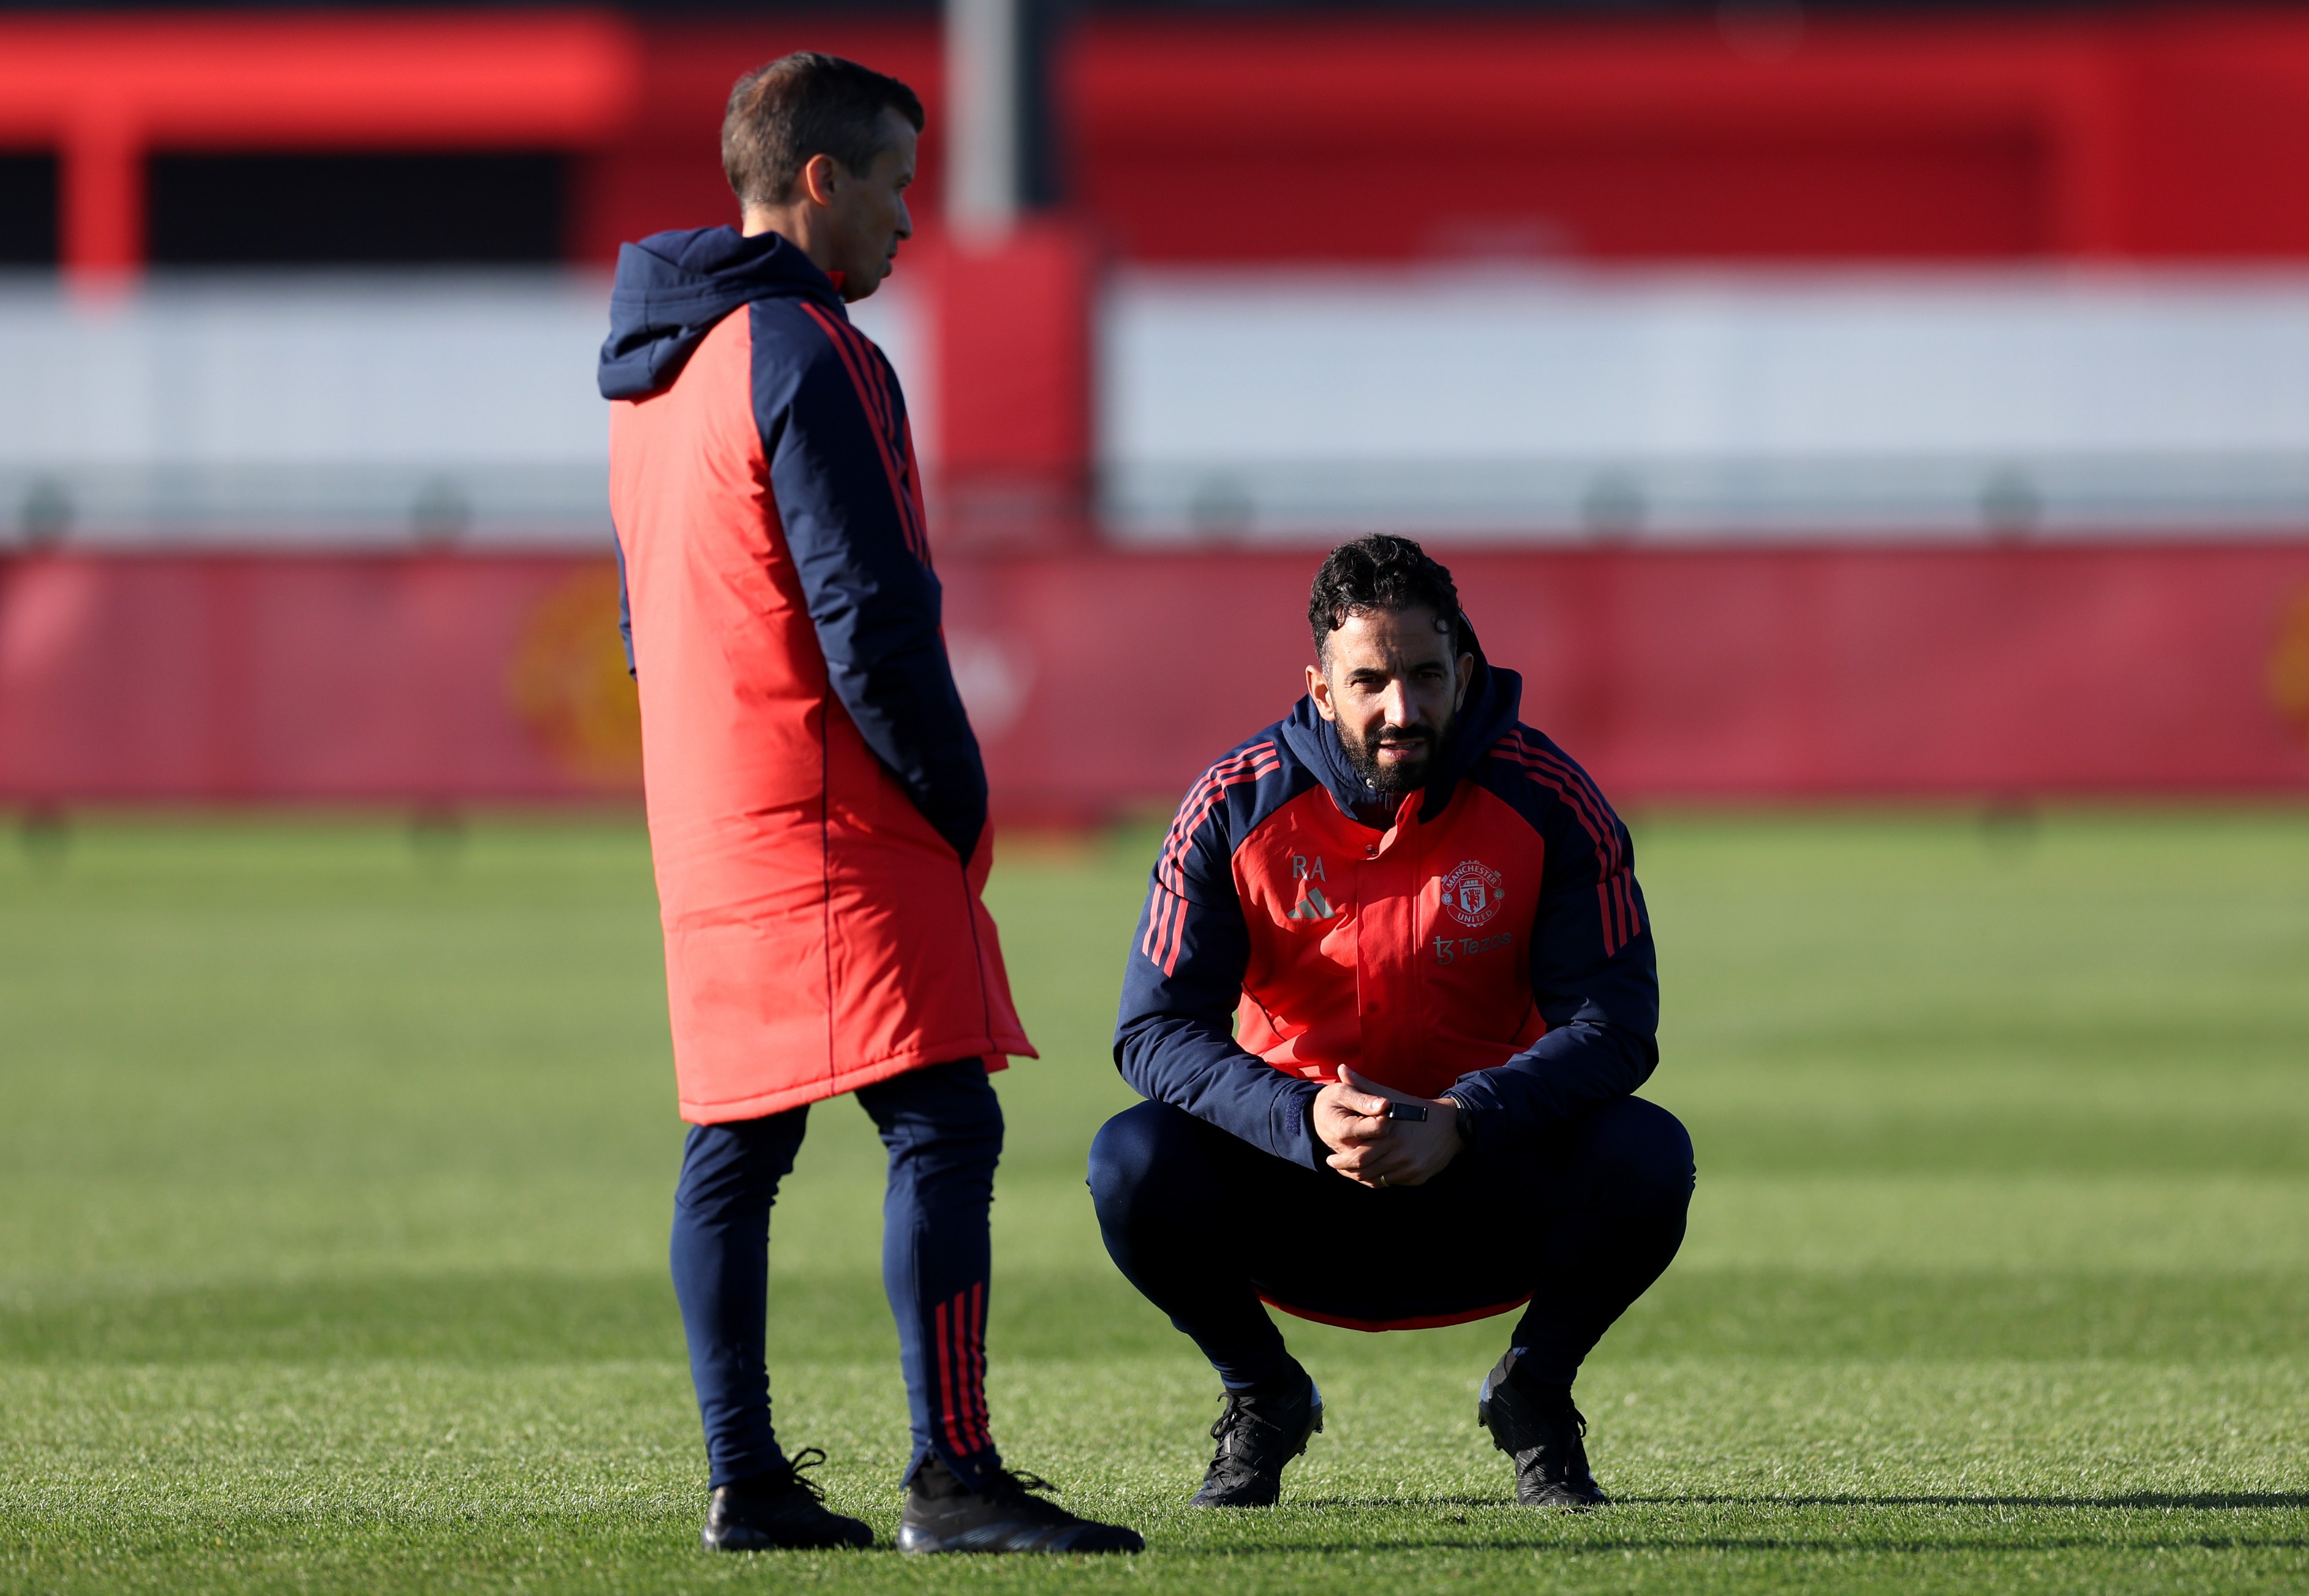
<point x="1371" y="1150"/>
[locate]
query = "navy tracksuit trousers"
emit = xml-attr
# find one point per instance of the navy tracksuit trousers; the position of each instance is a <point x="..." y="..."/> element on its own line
<point x="943" y="1129"/>
<point x="1205" y="1225"/>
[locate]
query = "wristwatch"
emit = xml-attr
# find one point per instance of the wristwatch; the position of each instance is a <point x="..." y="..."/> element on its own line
<point x="1460" y="1120"/>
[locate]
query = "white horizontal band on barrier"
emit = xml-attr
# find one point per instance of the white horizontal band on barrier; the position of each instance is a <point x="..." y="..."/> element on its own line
<point x="368" y="503"/>
<point x="1293" y="503"/>
<point x="345" y="409"/>
<point x="1531" y="404"/>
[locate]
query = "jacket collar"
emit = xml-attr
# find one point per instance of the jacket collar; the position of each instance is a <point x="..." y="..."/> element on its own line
<point x="673" y="288"/>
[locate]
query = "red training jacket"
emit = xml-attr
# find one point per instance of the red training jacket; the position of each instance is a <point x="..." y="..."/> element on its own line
<point x="816" y="803"/>
<point x="1490" y="942"/>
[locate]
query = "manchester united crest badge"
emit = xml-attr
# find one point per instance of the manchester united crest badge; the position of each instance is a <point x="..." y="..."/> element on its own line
<point x="1472" y="895"/>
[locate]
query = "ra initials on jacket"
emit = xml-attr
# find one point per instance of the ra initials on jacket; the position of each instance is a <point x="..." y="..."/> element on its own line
<point x="1405" y="953"/>
<point x="1311" y="878"/>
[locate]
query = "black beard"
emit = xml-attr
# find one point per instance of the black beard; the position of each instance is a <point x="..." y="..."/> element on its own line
<point x="1393" y="780"/>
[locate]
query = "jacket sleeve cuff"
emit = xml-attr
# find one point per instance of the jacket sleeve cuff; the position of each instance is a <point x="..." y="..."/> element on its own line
<point x="1483" y="1117"/>
<point x="1293" y="1125"/>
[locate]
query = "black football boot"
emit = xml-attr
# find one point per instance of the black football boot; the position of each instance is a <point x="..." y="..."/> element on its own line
<point x="945" y="1515"/>
<point x="1537" y="1426"/>
<point x="1260" y="1431"/>
<point x="778" y="1510"/>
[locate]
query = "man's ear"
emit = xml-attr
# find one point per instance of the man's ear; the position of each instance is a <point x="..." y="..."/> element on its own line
<point x="1318" y="689"/>
<point x="1466" y="675"/>
<point x="821" y="175"/>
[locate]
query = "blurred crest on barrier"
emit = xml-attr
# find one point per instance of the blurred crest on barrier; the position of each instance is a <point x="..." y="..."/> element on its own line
<point x="2288" y="665"/>
<point x="567" y="681"/>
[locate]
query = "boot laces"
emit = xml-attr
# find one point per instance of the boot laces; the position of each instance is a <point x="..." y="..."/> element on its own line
<point x="808" y="1457"/>
<point x="1249" y="1443"/>
<point x="1021" y="1492"/>
<point x="1019" y="1482"/>
<point x="1239" y="1415"/>
<point x="1226" y="1418"/>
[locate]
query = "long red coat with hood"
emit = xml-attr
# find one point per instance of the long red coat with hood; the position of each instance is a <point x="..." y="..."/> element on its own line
<point x="816" y="802"/>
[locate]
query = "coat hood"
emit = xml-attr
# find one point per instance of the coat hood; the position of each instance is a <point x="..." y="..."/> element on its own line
<point x="1494" y="701"/>
<point x="672" y="288"/>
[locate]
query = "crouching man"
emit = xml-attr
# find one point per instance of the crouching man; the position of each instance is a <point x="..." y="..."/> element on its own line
<point x="1392" y="989"/>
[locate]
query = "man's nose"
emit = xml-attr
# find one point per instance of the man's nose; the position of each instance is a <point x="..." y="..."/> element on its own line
<point x="1395" y="706"/>
<point x="905" y="221"/>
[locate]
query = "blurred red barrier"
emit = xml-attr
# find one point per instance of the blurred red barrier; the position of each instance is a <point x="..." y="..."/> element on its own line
<point x="432" y="678"/>
<point x="1795" y="672"/>
<point x="1105" y="681"/>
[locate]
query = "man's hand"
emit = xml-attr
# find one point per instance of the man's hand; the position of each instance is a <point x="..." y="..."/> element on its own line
<point x="1371" y="1150"/>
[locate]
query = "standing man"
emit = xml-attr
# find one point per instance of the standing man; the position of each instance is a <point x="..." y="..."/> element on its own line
<point x="816" y="804"/>
<point x="1392" y="989"/>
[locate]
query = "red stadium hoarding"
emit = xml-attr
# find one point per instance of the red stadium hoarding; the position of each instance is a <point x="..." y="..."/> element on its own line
<point x="426" y="678"/>
<point x="1103" y="682"/>
<point x="1703" y="674"/>
<point x="2169" y="132"/>
<point x="106" y="91"/>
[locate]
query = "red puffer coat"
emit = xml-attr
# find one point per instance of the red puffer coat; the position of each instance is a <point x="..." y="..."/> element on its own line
<point x="816" y="803"/>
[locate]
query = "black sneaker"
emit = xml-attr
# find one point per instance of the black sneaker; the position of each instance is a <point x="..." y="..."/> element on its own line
<point x="945" y="1515"/>
<point x="1539" y="1427"/>
<point x="1258" y="1433"/>
<point x="779" y="1509"/>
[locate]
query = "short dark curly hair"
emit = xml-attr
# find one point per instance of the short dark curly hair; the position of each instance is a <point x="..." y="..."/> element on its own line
<point x="1381" y="572"/>
<point x="803" y="104"/>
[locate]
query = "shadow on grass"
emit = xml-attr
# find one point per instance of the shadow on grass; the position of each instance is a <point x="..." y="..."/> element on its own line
<point x="2194" y="1501"/>
<point x="1833" y="1545"/>
<point x="1589" y="1532"/>
<point x="657" y="1536"/>
<point x="2188" y="1501"/>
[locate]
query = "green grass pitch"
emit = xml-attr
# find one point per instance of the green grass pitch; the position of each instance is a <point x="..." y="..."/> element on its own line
<point x="334" y="1170"/>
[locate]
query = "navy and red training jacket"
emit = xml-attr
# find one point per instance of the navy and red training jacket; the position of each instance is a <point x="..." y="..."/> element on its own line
<point x="1490" y="942"/>
<point x="843" y="489"/>
<point x="816" y="804"/>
